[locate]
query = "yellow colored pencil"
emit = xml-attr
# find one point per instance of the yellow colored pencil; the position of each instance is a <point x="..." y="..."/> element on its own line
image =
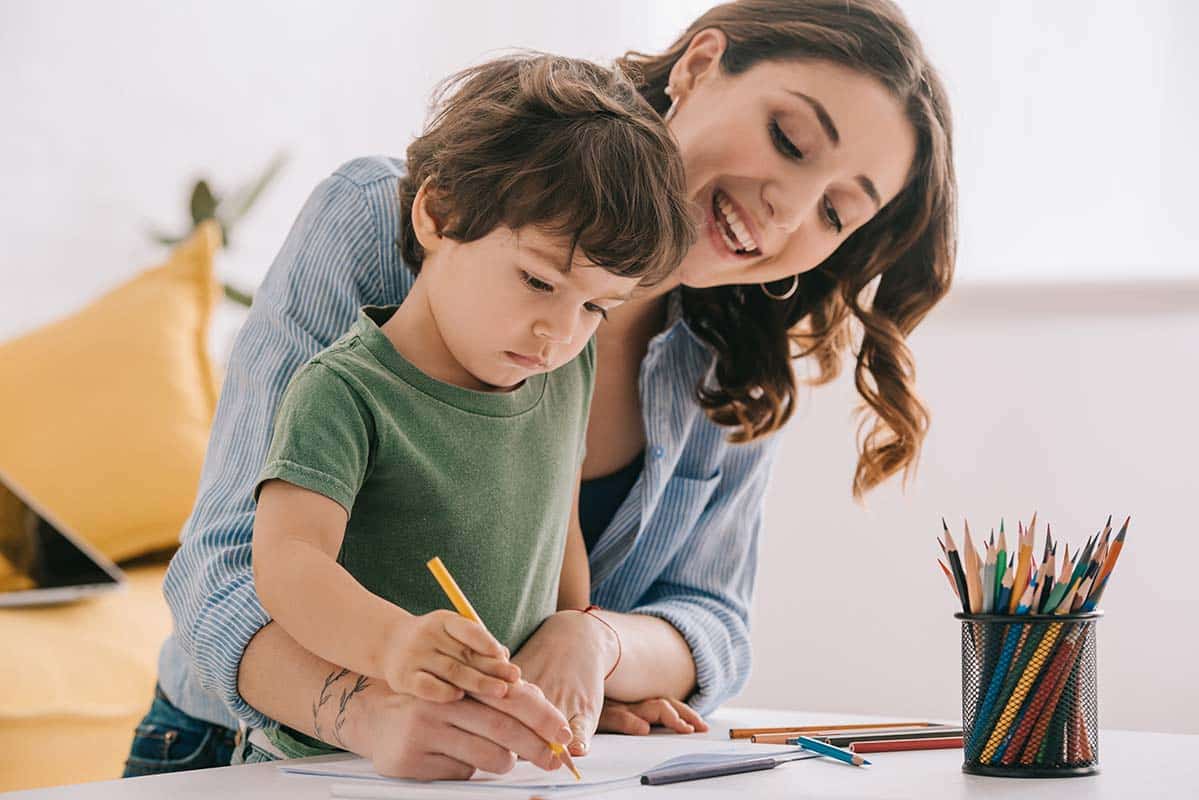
<point x="463" y="607"/>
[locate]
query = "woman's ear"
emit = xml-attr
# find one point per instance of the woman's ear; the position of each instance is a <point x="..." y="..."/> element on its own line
<point x="425" y="224"/>
<point x="699" y="60"/>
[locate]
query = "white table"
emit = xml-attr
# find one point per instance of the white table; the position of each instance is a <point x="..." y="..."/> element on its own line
<point x="1133" y="764"/>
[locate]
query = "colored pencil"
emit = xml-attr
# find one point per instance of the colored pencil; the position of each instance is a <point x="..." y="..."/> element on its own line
<point x="829" y="734"/>
<point x="795" y="730"/>
<point x="823" y="749"/>
<point x="955" y="564"/>
<point x="973" y="568"/>
<point x="896" y="745"/>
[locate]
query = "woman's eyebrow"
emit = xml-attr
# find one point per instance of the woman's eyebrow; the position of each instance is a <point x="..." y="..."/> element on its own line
<point x="826" y="122"/>
<point x="834" y="136"/>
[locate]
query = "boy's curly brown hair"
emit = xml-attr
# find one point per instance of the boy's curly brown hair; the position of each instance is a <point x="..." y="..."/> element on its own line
<point x="565" y="145"/>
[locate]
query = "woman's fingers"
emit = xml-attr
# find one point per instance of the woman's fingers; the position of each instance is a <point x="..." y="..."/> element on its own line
<point x="525" y="704"/>
<point x="483" y="717"/>
<point x="617" y="718"/>
<point x="689" y="715"/>
<point x="471" y="747"/>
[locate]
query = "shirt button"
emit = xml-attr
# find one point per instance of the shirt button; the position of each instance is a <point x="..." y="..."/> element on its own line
<point x="657" y="451"/>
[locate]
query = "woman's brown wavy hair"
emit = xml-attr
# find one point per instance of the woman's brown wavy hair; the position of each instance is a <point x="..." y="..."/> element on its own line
<point x="903" y="257"/>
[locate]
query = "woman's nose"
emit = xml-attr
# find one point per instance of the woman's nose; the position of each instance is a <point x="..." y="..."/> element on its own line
<point x="789" y="204"/>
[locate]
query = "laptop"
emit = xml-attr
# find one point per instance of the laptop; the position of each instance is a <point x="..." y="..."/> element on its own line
<point x="41" y="561"/>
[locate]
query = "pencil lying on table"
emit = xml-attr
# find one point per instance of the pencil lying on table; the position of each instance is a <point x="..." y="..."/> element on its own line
<point x="463" y="607"/>
<point x="896" y="745"/>
<point x="797" y="730"/>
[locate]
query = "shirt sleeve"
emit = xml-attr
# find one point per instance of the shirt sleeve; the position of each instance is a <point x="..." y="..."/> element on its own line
<point x="329" y="266"/>
<point x="706" y="589"/>
<point x="322" y="439"/>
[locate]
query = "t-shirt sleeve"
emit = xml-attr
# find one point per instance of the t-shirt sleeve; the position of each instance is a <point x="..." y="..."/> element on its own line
<point x="322" y="437"/>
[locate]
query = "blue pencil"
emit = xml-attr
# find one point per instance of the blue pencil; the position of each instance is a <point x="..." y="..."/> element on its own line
<point x="817" y="746"/>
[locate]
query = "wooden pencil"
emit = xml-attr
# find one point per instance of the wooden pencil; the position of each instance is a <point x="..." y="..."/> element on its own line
<point x="897" y="745"/>
<point x="745" y="733"/>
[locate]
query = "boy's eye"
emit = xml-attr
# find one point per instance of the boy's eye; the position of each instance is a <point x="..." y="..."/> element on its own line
<point x="783" y="143"/>
<point x="594" y="309"/>
<point x="535" y="283"/>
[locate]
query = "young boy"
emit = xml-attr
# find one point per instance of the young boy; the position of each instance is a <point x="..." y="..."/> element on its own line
<point x="543" y="191"/>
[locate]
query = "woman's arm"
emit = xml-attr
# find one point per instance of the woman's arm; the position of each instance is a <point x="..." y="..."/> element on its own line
<point x="337" y="257"/>
<point x="404" y="736"/>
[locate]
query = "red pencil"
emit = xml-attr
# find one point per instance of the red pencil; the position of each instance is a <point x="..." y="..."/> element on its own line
<point x="948" y="743"/>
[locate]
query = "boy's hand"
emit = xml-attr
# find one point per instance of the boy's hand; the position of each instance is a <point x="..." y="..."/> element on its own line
<point x="441" y="655"/>
<point x="635" y="719"/>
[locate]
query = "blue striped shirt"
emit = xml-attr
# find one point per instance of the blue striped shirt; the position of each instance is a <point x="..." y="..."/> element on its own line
<point x="682" y="546"/>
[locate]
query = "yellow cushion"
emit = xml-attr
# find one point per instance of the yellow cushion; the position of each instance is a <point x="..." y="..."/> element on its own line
<point x="78" y="678"/>
<point x="105" y="415"/>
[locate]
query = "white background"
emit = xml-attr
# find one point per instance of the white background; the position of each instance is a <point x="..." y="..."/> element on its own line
<point x="1061" y="372"/>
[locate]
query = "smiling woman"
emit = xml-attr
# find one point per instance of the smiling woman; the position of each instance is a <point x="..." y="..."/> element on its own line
<point x="827" y="170"/>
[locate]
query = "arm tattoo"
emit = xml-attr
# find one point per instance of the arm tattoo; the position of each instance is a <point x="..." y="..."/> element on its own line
<point x="324" y="697"/>
<point x="346" y="694"/>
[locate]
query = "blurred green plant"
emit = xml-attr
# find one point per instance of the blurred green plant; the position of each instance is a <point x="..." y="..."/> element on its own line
<point x="228" y="211"/>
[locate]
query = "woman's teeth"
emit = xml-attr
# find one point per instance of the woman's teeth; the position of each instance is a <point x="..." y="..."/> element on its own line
<point x="732" y="229"/>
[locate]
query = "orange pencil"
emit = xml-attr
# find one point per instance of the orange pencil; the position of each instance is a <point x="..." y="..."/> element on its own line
<point x="895" y="745"/>
<point x="745" y="733"/>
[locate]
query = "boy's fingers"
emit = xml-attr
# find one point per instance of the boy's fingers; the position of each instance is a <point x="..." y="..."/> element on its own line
<point x="463" y="676"/>
<point x="495" y="667"/>
<point x="474" y="636"/>
<point x="431" y="688"/>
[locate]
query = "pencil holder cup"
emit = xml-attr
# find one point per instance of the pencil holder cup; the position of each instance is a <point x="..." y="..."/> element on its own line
<point x="1030" y="701"/>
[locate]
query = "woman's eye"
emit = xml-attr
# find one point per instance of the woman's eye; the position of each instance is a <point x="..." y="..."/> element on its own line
<point x="594" y="309"/>
<point x="784" y="144"/>
<point x="830" y="216"/>
<point x="535" y="283"/>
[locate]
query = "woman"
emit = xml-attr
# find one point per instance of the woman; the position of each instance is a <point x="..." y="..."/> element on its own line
<point x="818" y="151"/>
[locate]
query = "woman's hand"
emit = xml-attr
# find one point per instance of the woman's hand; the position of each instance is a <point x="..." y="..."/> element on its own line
<point x="408" y="737"/>
<point x="567" y="658"/>
<point x="636" y="719"/>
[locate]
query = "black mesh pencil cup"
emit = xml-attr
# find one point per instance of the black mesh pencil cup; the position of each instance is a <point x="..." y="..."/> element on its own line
<point x="1030" y="703"/>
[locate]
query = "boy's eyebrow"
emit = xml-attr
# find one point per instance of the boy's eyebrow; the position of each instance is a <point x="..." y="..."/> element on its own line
<point x="547" y="257"/>
<point x="553" y="260"/>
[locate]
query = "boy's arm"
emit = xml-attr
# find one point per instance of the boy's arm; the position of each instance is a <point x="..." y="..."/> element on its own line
<point x="574" y="587"/>
<point x="297" y="535"/>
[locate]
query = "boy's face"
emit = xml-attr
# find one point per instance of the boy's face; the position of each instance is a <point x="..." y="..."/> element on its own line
<point x="507" y="308"/>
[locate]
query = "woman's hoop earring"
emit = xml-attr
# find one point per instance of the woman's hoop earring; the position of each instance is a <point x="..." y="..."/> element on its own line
<point x="786" y="295"/>
<point x="674" y="104"/>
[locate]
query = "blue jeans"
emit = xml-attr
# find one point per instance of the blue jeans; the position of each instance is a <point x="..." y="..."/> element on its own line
<point x="170" y="740"/>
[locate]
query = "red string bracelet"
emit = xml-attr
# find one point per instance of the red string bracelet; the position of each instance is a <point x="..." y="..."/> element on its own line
<point x="606" y="624"/>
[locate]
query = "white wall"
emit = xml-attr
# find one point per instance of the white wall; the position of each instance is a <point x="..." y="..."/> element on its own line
<point x="1075" y="122"/>
<point x="1072" y="403"/>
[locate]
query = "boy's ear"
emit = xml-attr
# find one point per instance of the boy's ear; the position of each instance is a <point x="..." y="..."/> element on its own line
<point x="425" y="224"/>
<point x="701" y="57"/>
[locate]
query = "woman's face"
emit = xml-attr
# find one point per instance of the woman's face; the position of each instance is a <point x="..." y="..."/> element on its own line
<point x="784" y="161"/>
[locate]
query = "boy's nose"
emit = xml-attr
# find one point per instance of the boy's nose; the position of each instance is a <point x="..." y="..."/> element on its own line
<point x="555" y="334"/>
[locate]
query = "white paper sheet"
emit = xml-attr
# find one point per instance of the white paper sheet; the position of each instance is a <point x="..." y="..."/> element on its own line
<point x="613" y="761"/>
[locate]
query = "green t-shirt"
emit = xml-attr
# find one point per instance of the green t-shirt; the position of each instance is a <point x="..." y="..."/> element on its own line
<point x="424" y="468"/>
